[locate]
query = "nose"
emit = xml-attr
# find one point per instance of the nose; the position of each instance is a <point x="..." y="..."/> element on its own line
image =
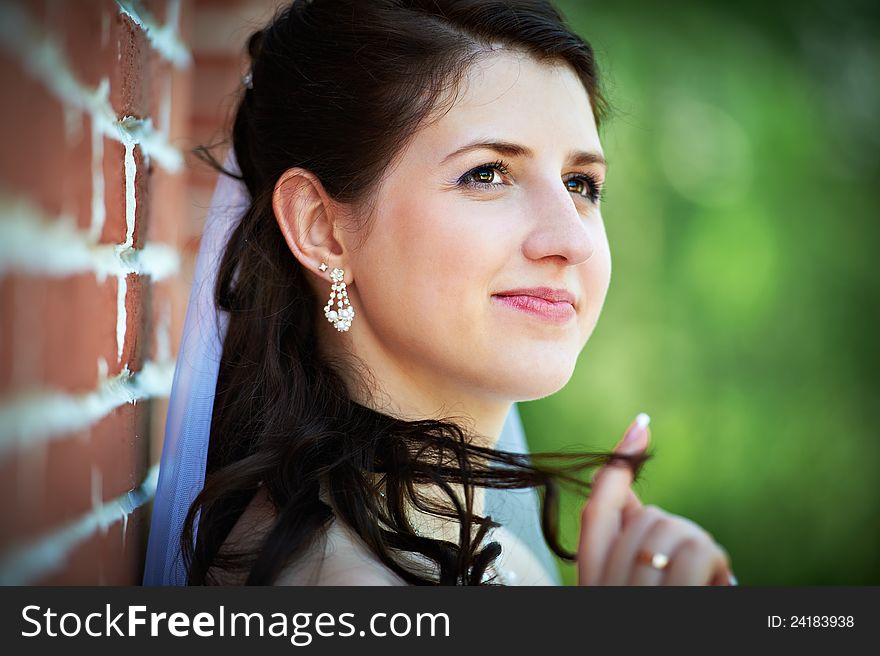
<point x="560" y="228"/>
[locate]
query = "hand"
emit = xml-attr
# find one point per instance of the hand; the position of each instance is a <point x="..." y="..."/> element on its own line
<point x="616" y="526"/>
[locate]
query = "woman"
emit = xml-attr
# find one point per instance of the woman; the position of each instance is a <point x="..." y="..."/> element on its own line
<point x="423" y="248"/>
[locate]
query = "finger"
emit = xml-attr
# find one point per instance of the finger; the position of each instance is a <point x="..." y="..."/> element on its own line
<point x="665" y="536"/>
<point x="611" y="483"/>
<point x="623" y="554"/>
<point x="697" y="562"/>
<point x="661" y="538"/>
<point x="631" y="507"/>
<point x="602" y="516"/>
<point x="724" y="577"/>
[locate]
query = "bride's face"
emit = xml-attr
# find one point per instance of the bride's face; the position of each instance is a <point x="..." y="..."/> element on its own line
<point x="457" y="225"/>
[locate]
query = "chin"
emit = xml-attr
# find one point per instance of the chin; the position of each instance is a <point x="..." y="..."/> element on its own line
<point x="535" y="392"/>
<point x="535" y="382"/>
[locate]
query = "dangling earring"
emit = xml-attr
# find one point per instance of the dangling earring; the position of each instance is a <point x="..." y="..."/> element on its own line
<point x="343" y="315"/>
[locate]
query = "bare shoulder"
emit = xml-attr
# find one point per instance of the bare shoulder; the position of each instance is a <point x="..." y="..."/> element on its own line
<point x="336" y="557"/>
<point x="339" y="557"/>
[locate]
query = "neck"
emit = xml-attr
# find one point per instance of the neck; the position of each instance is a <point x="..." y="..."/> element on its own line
<point x="398" y="387"/>
<point x="442" y="528"/>
<point x="401" y="390"/>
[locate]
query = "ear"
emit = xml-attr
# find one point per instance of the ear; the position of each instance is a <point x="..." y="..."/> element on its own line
<point x="307" y="217"/>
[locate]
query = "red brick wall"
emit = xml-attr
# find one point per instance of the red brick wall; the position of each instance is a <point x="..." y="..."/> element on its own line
<point x="101" y="207"/>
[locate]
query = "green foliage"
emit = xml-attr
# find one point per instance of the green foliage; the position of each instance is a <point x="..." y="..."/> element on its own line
<point x="741" y="210"/>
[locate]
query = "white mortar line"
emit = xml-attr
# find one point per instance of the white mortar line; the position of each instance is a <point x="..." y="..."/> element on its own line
<point x="130" y="197"/>
<point x="121" y="315"/>
<point x="99" y="211"/>
<point x="31" y="242"/>
<point x="29" y="416"/>
<point x="152" y="142"/>
<point x="164" y="38"/>
<point x="40" y="55"/>
<point x="47" y="554"/>
<point x="130" y="216"/>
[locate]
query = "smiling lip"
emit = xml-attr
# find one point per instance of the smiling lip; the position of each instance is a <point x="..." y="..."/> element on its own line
<point x="556" y="305"/>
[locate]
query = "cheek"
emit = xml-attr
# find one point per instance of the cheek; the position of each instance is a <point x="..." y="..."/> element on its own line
<point x="599" y="274"/>
<point x="595" y="280"/>
<point x="422" y="266"/>
<point x="445" y="249"/>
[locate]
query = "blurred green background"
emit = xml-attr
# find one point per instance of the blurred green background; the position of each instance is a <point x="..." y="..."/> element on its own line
<point x="742" y="214"/>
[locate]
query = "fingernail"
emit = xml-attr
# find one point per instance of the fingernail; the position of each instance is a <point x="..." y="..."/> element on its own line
<point x="732" y="579"/>
<point x="642" y="421"/>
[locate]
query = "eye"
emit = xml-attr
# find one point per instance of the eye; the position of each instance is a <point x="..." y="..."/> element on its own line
<point x="586" y="185"/>
<point x="483" y="175"/>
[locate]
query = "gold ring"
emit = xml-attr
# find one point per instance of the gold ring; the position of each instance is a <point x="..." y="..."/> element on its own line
<point x="656" y="560"/>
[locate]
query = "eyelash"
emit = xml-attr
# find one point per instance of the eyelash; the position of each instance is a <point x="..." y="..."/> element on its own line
<point x="593" y="183"/>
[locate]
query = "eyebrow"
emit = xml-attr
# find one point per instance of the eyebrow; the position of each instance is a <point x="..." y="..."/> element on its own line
<point x="576" y="157"/>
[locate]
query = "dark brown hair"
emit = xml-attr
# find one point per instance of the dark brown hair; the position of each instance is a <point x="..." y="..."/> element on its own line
<point x="339" y="87"/>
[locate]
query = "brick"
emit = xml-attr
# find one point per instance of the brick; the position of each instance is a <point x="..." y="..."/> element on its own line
<point x="8" y="323"/>
<point x="119" y="450"/>
<point x="44" y="487"/>
<point x="139" y="321"/>
<point x="23" y="299"/>
<point x="169" y="299"/>
<point x="114" y="193"/>
<point x="103" y="559"/>
<point x="225" y="25"/>
<point x="217" y="89"/>
<point x="116" y="226"/>
<point x="88" y="31"/>
<point x="200" y="203"/>
<point x="32" y="134"/>
<point x="54" y="331"/>
<point x="49" y="484"/>
<point x="79" y="327"/>
<point x="130" y="86"/>
<point x="167" y="208"/>
<point x="76" y="184"/>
